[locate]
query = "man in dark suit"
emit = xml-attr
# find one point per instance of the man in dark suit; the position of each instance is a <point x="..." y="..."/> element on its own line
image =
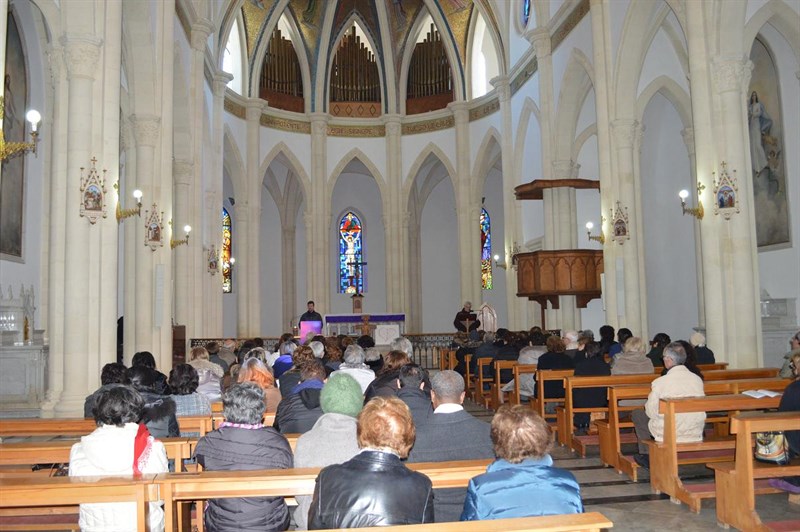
<point x="450" y="434"/>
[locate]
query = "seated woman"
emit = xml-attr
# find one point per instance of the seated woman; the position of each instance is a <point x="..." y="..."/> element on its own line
<point x="374" y="488"/>
<point x="790" y="402"/>
<point x="159" y="410"/>
<point x="254" y="370"/>
<point x="522" y="482"/>
<point x="242" y="443"/>
<point x="385" y="383"/>
<point x="633" y="359"/>
<point x="183" y="382"/>
<point x="210" y="374"/>
<point x="118" y="446"/>
<point x="593" y="365"/>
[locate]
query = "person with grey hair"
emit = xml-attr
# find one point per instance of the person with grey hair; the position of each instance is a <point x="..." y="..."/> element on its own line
<point x="678" y="382"/>
<point x="318" y="348"/>
<point x="401" y="343"/>
<point x="703" y="354"/>
<point x="242" y="443"/>
<point x="354" y="366"/>
<point x="794" y="349"/>
<point x="373" y="359"/>
<point x="466" y="315"/>
<point x="450" y="433"/>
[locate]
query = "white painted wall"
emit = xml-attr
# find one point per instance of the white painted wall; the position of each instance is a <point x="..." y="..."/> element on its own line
<point x="669" y="248"/>
<point x="270" y="268"/>
<point x="441" y="277"/>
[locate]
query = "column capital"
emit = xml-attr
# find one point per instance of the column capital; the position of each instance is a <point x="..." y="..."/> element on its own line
<point x="392" y="123"/>
<point x="502" y="85"/>
<point x="125" y="135"/>
<point x="319" y="123"/>
<point x="460" y="110"/>
<point x="146" y="129"/>
<point x="81" y="55"/>
<point x="55" y="59"/>
<point x="638" y="136"/>
<point x="253" y="108"/>
<point x="540" y="39"/>
<point x="200" y="31"/>
<point x="565" y="169"/>
<point x="688" y="139"/>
<point x="624" y="131"/>
<point x="731" y="73"/>
<point x="219" y="81"/>
<point x="182" y="171"/>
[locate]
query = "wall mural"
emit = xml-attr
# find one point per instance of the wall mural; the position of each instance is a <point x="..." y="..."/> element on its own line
<point x="12" y="185"/>
<point x="767" y="150"/>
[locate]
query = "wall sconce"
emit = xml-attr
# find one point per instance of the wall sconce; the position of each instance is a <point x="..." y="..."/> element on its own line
<point x="698" y="211"/>
<point x="501" y="265"/>
<point x="12" y="149"/>
<point x="175" y="243"/>
<point x="127" y="213"/>
<point x="513" y="251"/>
<point x="600" y="238"/>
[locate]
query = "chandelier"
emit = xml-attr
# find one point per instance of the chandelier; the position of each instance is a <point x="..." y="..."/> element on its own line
<point x="13" y="149"/>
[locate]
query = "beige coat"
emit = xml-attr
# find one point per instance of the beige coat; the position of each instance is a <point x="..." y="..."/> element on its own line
<point x="678" y="382"/>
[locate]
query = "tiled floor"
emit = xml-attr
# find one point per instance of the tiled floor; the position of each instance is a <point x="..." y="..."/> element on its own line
<point x="632" y="506"/>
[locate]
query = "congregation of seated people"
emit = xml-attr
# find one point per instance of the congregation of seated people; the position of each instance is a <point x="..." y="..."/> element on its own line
<point x="361" y="416"/>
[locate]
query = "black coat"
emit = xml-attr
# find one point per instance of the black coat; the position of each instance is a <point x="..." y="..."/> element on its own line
<point x="704" y="355"/>
<point x="383" y="386"/>
<point x="288" y="381"/>
<point x="240" y="449"/>
<point x="419" y="402"/>
<point x="298" y="412"/>
<point x="551" y="360"/>
<point x="159" y="415"/>
<point x="371" y="489"/>
<point x="790" y="402"/>
<point x="589" y="397"/>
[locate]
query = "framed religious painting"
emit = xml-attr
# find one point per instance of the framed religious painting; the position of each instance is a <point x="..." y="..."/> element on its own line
<point x="619" y="224"/>
<point x="93" y="194"/>
<point x="726" y="193"/>
<point x="154" y="229"/>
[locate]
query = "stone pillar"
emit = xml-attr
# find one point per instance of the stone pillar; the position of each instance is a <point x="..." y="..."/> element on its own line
<point x="396" y="263"/>
<point x="186" y="273"/>
<point x="146" y="132"/>
<point x="625" y="132"/>
<point x="253" y="180"/>
<point x="688" y="139"/>
<point x="241" y="238"/>
<point x="289" y="272"/>
<point x="82" y="55"/>
<point x="468" y="210"/>
<point x="737" y="239"/>
<point x="411" y="235"/>
<point x="318" y="223"/>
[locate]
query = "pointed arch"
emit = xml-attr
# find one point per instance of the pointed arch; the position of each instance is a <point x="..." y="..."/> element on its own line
<point x="782" y="17"/>
<point x="283" y="151"/>
<point x="431" y="150"/>
<point x="478" y="14"/>
<point x="484" y="159"/>
<point x="459" y="82"/>
<point x="673" y="92"/>
<point x="356" y="153"/>
<point x="296" y="36"/>
<point x="529" y="109"/>
<point x="581" y="139"/>
<point x="575" y="87"/>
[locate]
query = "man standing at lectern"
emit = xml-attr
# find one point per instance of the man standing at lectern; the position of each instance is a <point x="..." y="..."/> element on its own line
<point x="310" y="314"/>
<point x="466" y="315"/>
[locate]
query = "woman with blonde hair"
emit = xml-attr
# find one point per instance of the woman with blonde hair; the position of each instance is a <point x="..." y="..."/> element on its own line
<point x="210" y="374"/>
<point x="253" y="370"/>
<point x="633" y="359"/>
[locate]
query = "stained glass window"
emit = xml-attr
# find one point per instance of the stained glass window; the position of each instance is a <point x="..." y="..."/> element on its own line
<point x="351" y="257"/>
<point x="526" y="12"/>
<point x="486" y="250"/>
<point x="227" y="273"/>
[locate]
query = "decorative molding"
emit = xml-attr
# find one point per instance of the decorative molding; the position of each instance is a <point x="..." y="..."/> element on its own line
<point x="199" y="32"/>
<point x="428" y="125"/>
<point x="356" y="131"/>
<point x="236" y="109"/>
<point x="570" y="23"/>
<point x="146" y="129"/>
<point x="484" y="109"/>
<point x="93" y="194"/>
<point x="81" y="55"/>
<point x="220" y="82"/>
<point x="295" y="126"/>
<point x="624" y="132"/>
<point x="524" y="74"/>
<point x="731" y="73"/>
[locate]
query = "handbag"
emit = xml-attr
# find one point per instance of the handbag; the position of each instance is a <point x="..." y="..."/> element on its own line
<point x="772" y="448"/>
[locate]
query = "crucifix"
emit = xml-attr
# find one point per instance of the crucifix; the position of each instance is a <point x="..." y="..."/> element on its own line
<point x="354" y="265"/>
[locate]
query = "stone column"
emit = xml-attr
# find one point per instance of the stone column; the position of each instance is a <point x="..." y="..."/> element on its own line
<point x="253" y="180"/>
<point x="82" y="55"/>
<point x="625" y="132"/>
<point x="468" y="210"/>
<point x="289" y="272"/>
<point x="318" y="224"/>
<point x="411" y="235"/>
<point x="396" y="265"/>
<point x="241" y="239"/>
<point x="186" y="273"/>
<point x="688" y="139"/>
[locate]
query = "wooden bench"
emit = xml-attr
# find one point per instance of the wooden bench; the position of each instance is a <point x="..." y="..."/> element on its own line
<point x="565" y="414"/>
<point x="482" y="394"/>
<point x="72" y="427"/>
<point x="591" y="521"/>
<point x="610" y="435"/>
<point x="738" y="482"/>
<point x="665" y="456"/>
<point x="539" y="403"/>
<point x="498" y="395"/>
<point x="520" y="369"/>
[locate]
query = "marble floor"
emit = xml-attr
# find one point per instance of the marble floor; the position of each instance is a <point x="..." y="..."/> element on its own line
<point x="633" y="506"/>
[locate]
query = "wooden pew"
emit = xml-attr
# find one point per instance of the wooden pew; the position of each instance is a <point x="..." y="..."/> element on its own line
<point x="611" y="437"/>
<point x="482" y="395"/>
<point x="731" y="374"/>
<point x="591" y="521"/>
<point x="664" y="456"/>
<point x="520" y="369"/>
<point x="566" y="413"/>
<point x="47" y="492"/>
<point x="498" y="396"/>
<point x="539" y="402"/>
<point x="71" y="427"/>
<point x="738" y="482"/>
<point x="175" y="487"/>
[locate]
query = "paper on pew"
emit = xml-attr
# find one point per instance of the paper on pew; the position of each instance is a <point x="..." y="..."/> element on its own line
<point x="758" y="394"/>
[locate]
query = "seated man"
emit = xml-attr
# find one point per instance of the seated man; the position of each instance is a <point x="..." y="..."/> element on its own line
<point x="354" y="366"/>
<point x="466" y="314"/>
<point x="678" y="382"/>
<point x="300" y="409"/>
<point x="414" y="392"/>
<point x="450" y="434"/>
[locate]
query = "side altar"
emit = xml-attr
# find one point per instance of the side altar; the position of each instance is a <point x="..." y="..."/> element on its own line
<point x="381" y="326"/>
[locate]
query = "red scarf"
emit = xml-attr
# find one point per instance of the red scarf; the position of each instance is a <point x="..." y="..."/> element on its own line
<point x="141" y="449"/>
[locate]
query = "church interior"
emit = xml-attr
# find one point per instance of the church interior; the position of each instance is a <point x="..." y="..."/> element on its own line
<point x="181" y="171"/>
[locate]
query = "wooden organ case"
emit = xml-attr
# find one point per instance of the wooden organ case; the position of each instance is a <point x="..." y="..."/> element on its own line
<point x="430" y="80"/>
<point x="355" y="87"/>
<point x="281" y="82"/>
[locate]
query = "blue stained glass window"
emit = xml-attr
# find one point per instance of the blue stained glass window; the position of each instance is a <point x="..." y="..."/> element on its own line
<point x="486" y="250"/>
<point x="351" y="255"/>
<point x="227" y="272"/>
<point x="526" y="12"/>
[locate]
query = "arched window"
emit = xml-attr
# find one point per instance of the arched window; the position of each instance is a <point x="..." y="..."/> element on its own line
<point x="227" y="232"/>
<point x="351" y="255"/>
<point x="484" y="65"/>
<point x="525" y="16"/>
<point x="233" y="59"/>
<point x="486" y="250"/>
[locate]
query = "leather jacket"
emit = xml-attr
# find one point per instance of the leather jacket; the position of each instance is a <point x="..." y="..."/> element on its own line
<point x="371" y="489"/>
